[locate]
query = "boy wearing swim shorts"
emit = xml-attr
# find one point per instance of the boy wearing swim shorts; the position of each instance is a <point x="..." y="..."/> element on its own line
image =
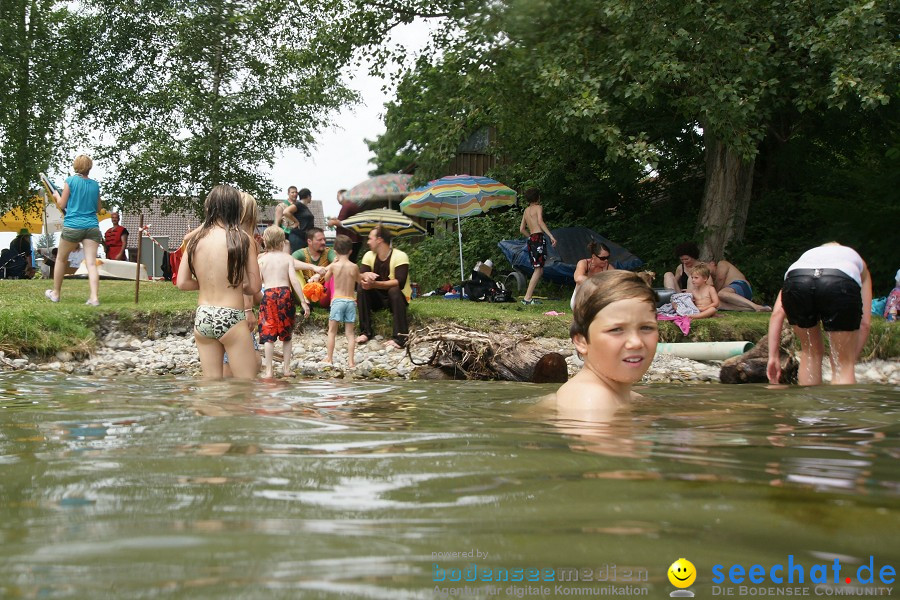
<point x="277" y="310"/>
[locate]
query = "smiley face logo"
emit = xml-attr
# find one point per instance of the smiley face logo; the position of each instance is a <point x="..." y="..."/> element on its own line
<point x="682" y="573"/>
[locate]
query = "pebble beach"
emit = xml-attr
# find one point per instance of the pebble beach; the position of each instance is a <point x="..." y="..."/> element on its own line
<point x="175" y="353"/>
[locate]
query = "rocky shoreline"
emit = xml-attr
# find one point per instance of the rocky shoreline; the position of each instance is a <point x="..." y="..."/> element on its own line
<point x="175" y="353"/>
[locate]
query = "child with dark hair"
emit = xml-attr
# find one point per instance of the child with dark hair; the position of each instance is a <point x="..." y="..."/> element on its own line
<point x="615" y="331"/>
<point x="219" y="324"/>
<point x="534" y="227"/>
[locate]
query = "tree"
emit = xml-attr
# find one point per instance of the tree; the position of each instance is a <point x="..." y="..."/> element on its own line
<point x="197" y="94"/>
<point x="41" y="50"/>
<point x="629" y="77"/>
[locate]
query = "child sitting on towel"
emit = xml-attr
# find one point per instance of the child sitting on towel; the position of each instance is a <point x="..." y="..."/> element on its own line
<point x="704" y="295"/>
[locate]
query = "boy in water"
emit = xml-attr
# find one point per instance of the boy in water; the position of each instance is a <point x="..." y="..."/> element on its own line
<point x="277" y="310"/>
<point x="615" y="331"/>
<point x="533" y="226"/>
<point x="343" y="304"/>
<point x="705" y="296"/>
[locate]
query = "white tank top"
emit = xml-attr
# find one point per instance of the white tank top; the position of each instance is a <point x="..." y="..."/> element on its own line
<point x="845" y="259"/>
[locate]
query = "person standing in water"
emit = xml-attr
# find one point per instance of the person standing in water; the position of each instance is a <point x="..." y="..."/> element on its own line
<point x="615" y="331"/>
<point x="534" y="227"/>
<point x="831" y="284"/>
<point x="220" y="262"/>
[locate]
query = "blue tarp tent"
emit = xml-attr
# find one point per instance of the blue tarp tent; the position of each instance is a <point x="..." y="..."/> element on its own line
<point x="571" y="246"/>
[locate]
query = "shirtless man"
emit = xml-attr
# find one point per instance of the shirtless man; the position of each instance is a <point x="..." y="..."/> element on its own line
<point x="533" y="226"/>
<point x="734" y="290"/>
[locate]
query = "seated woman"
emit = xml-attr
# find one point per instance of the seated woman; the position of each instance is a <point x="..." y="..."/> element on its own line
<point x="586" y="267"/>
<point x="688" y="253"/>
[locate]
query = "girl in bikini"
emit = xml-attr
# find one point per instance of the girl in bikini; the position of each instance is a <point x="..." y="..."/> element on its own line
<point x="597" y="263"/>
<point x="220" y="324"/>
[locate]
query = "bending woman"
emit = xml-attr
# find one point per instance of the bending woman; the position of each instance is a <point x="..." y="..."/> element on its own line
<point x="597" y="263"/>
<point x="830" y="284"/>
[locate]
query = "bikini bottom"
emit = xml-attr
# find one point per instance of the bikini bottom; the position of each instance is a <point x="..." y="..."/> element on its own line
<point x="215" y="321"/>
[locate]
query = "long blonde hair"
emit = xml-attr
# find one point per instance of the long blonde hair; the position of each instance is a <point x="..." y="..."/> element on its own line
<point x="249" y="213"/>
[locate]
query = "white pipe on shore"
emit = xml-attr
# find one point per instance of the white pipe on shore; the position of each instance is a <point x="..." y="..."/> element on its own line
<point x="704" y="350"/>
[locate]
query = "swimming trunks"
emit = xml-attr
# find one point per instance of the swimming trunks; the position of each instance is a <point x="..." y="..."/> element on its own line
<point x="537" y="250"/>
<point x="810" y="296"/>
<point x="343" y="310"/>
<point x="276" y="315"/>
<point x="742" y="288"/>
<point x="215" y="321"/>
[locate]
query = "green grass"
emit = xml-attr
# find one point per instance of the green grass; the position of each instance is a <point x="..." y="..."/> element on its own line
<point x="30" y="324"/>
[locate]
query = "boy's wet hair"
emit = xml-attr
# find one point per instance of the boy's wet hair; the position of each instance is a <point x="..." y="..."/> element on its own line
<point x="82" y="164"/>
<point x="223" y="209"/>
<point x="343" y="245"/>
<point x="700" y="269"/>
<point x="687" y="248"/>
<point x="273" y="237"/>
<point x="601" y="290"/>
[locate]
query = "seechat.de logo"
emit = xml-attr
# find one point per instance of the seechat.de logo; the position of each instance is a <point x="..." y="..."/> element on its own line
<point x="682" y="574"/>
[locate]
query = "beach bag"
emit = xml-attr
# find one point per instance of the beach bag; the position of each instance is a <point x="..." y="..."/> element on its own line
<point x="500" y="294"/>
<point x="480" y="288"/>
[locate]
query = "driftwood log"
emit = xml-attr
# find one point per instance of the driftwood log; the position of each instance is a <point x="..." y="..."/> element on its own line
<point x="462" y="353"/>
<point x="750" y="367"/>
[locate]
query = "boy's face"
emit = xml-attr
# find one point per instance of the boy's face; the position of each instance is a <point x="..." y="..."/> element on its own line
<point x="697" y="279"/>
<point x="623" y="338"/>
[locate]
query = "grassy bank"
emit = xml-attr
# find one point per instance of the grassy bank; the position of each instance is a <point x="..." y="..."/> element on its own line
<point x="30" y="324"/>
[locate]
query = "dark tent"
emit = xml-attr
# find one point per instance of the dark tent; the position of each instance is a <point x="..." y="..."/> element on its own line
<point x="571" y="246"/>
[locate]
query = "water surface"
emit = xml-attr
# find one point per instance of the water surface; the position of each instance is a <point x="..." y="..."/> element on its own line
<point x="167" y="487"/>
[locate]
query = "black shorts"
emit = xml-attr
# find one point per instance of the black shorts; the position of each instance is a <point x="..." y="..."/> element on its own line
<point x="828" y="295"/>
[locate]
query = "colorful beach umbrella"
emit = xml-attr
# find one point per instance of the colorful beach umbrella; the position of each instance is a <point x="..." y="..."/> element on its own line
<point x="390" y="186"/>
<point x="455" y="197"/>
<point x="394" y="221"/>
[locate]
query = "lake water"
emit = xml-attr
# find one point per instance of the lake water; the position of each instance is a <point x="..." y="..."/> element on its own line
<point x="172" y="488"/>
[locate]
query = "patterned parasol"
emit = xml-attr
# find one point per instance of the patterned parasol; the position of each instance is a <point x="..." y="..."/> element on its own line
<point x="455" y="197"/>
<point x="390" y="186"/>
<point x="394" y="221"/>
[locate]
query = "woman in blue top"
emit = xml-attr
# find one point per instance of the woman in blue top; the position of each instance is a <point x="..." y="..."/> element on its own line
<point x="80" y="202"/>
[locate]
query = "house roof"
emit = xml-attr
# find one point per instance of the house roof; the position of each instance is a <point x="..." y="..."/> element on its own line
<point x="176" y="225"/>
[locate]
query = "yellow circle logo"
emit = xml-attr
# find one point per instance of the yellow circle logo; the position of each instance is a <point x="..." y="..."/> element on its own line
<point x="682" y="573"/>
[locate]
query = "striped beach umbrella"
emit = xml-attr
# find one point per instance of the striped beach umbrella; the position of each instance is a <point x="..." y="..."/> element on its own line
<point x="455" y="197"/>
<point x="394" y="221"/>
<point x="390" y="186"/>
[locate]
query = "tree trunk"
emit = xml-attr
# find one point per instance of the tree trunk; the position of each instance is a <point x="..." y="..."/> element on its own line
<point x="726" y="198"/>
